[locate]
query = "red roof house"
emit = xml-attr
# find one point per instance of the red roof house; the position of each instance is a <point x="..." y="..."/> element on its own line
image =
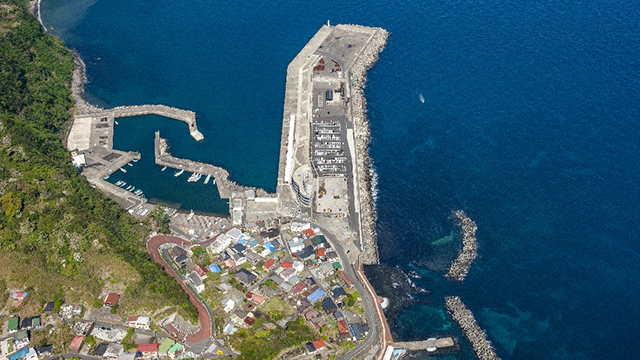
<point x="229" y="263"/>
<point x="249" y="321"/>
<point x="309" y="233"/>
<point x="344" y="278"/>
<point x="148" y="350"/>
<point x="286" y="264"/>
<point x="268" y="264"/>
<point x="257" y="299"/>
<point x="201" y="271"/>
<point x="298" y="288"/>
<point x="321" y="252"/>
<point x="76" y="343"/>
<point x="342" y="326"/>
<point x="319" y="344"/>
<point x="111" y="300"/>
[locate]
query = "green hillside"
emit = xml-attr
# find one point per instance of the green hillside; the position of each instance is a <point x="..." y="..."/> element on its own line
<point x="57" y="234"/>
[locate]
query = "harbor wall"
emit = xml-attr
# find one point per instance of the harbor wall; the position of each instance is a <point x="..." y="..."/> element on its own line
<point x="357" y="74"/>
<point x="481" y="345"/>
<point x="83" y="107"/>
<point x="226" y="187"/>
<point x="460" y="267"/>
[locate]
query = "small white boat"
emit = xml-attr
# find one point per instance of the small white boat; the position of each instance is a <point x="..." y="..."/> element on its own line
<point x="206" y="180"/>
<point x="422" y="98"/>
<point x="123" y="170"/>
<point x="130" y="164"/>
<point x="116" y="122"/>
<point x="164" y="168"/>
<point x="190" y="216"/>
<point x="105" y="178"/>
<point x="178" y="173"/>
<point x="214" y="181"/>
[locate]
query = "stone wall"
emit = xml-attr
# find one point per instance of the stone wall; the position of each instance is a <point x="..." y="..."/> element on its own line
<point x="358" y="78"/>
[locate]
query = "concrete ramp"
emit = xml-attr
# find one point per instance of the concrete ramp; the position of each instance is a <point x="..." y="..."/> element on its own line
<point x="80" y="134"/>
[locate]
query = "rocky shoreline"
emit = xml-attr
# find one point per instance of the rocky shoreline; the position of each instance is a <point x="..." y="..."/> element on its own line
<point x="481" y="345"/>
<point x="77" y="88"/>
<point x="460" y="267"/>
<point x="358" y="78"/>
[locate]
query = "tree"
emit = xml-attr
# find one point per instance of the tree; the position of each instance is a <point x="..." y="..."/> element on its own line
<point x="11" y="204"/>
<point x="161" y="219"/>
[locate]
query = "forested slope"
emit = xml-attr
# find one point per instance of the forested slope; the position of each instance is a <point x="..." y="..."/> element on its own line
<point x="57" y="234"/>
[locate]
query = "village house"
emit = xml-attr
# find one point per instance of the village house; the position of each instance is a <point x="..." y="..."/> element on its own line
<point x="338" y="293"/>
<point x="76" y="343"/>
<point x="329" y="305"/>
<point x="111" y="300"/>
<point x="147" y="351"/>
<point x="201" y="271"/>
<point x="113" y="351"/>
<point x="222" y="242"/>
<point x="139" y="322"/>
<point x="228" y="305"/>
<point x="194" y="279"/>
<point x="164" y="347"/>
<point x="345" y="278"/>
<point x="268" y="264"/>
<point x="234" y="233"/>
<point x="299" y="226"/>
<point x="295" y="245"/>
<point x="245" y="276"/>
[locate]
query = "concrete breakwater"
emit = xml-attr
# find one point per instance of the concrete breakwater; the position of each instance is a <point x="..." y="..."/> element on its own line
<point x="83" y="107"/>
<point x="358" y="78"/>
<point x="481" y="345"/>
<point x="226" y="187"/>
<point x="187" y="116"/>
<point x="460" y="266"/>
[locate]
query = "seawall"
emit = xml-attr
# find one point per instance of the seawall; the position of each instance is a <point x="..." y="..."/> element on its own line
<point x="358" y="77"/>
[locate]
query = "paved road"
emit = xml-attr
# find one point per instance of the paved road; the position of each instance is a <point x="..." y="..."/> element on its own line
<point x="368" y="302"/>
<point x="206" y="321"/>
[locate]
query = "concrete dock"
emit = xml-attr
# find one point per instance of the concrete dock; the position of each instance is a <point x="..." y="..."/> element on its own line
<point x="426" y="344"/>
<point x="245" y="203"/>
<point x="186" y="116"/>
<point x="324" y="167"/>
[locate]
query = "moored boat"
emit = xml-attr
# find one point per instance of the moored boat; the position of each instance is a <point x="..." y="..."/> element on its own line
<point x="206" y="180"/>
<point x="164" y="168"/>
<point x="178" y="173"/>
<point x="123" y="170"/>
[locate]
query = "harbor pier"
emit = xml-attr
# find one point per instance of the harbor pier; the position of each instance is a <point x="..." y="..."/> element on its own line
<point x="430" y="345"/>
<point x="245" y="202"/>
<point x="186" y="116"/>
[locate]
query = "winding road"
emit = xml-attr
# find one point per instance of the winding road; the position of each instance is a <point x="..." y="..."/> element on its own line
<point x="206" y="319"/>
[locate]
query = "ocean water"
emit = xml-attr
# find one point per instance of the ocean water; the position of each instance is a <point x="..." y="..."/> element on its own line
<point x="529" y="124"/>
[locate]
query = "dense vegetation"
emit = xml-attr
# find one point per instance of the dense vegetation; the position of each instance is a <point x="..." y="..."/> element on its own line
<point x="51" y="221"/>
<point x="266" y="344"/>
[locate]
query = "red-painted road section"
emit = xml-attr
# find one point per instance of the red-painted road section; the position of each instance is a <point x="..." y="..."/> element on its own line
<point x="205" y="321"/>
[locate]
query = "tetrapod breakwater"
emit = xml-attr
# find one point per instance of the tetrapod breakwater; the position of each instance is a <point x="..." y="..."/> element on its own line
<point x="481" y="345"/>
<point x="460" y="266"/>
<point x="358" y="78"/>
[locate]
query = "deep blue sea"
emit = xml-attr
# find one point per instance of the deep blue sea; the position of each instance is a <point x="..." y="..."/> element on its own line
<point x="530" y="123"/>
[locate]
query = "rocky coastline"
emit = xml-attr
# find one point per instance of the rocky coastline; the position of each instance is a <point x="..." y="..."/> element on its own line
<point x="460" y="266"/>
<point x="481" y="345"/>
<point x="358" y="78"/>
<point x="77" y="88"/>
